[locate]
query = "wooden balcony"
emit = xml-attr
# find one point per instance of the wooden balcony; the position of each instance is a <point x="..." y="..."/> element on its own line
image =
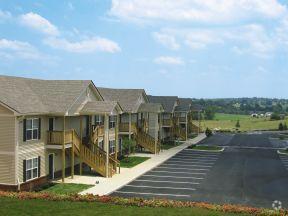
<point x="124" y="127"/>
<point x="182" y="119"/>
<point x="167" y="123"/>
<point x="56" y="137"/>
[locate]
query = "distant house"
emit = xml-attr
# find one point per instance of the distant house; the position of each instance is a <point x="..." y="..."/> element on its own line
<point x="268" y="114"/>
<point x="254" y="115"/>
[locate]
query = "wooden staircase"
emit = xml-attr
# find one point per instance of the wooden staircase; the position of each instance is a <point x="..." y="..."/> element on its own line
<point x="194" y="128"/>
<point x="91" y="155"/>
<point x="181" y="133"/>
<point x="147" y="142"/>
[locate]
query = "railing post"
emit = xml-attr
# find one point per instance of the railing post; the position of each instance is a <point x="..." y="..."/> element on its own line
<point x="72" y="156"/>
<point x="63" y="151"/>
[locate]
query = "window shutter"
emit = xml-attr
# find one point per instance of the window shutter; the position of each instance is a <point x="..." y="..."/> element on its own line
<point x="39" y="166"/>
<point x="24" y="170"/>
<point x="24" y="130"/>
<point x="39" y="128"/>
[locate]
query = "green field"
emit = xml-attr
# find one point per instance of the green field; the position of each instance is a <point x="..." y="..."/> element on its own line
<point x="45" y="207"/>
<point x="247" y="123"/>
<point x="129" y="162"/>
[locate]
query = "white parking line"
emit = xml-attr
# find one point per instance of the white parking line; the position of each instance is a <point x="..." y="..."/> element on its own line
<point x="174" y="182"/>
<point x="178" y="172"/>
<point x="192" y="165"/>
<point x="191" y="160"/>
<point x="196" y="156"/>
<point x="176" y="177"/>
<point x="172" y="188"/>
<point x="155" y="194"/>
<point x="179" y="168"/>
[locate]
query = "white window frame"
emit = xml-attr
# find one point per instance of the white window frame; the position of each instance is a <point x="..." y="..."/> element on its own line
<point x="112" y="145"/>
<point x="112" y="122"/>
<point x="32" y="168"/>
<point x="33" y="127"/>
<point x="99" y="120"/>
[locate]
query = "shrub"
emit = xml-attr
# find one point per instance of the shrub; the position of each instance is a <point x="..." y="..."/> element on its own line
<point x="285" y="126"/>
<point x="280" y="127"/>
<point x="275" y="116"/>
<point x="128" y="146"/>
<point x="208" y="132"/>
<point x="237" y="124"/>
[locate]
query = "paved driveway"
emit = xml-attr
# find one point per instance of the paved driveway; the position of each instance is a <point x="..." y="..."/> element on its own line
<point x="248" y="172"/>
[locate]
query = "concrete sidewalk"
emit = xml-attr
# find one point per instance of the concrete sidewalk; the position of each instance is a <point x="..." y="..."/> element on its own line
<point x="106" y="186"/>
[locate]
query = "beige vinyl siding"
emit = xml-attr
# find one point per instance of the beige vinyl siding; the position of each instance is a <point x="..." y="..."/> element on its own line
<point x="33" y="148"/>
<point x="7" y="146"/>
<point x="153" y="125"/>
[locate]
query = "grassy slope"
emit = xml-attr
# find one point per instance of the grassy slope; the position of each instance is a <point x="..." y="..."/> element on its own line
<point x="227" y="121"/>
<point x="132" y="161"/>
<point x="41" y="207"/>
<point x="66" y="188"/>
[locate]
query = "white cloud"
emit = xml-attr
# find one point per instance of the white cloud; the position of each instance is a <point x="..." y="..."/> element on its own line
<point x="4" y="15"/>
<point x="166" y="40"/>
<point x="12" y="49"/>
<point x="85" y="46"/>
<point x="170" y="60"/>
<point x="251" y="39"/>
<point x="210" y="11"/>
<point x="39" y="23"/>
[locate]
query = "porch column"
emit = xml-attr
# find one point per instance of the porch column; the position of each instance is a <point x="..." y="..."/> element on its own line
<point x="72" y="155"/>
<point x="156" y="134"/>
<point x="106" y="142"/>
<point x="117" y="136"/>
<point x="81" y="140"/>
<point x="130" y="126"/>
<point x="63" y="151"/>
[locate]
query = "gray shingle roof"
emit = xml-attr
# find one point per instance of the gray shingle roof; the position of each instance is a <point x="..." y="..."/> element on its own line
<point x="167" y="102"/>
<point x="150" y="107"/>
<point x="184" y="105"/>
<point x="127" y="98"/>
<point x="99" y="107"/>
<point x="30" y="96"/>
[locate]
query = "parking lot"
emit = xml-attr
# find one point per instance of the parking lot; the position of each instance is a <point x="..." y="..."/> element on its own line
<point x="248" y="172"/>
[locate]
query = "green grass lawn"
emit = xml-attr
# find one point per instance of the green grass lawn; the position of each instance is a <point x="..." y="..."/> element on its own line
<point x="170" y="144"/>
<point x="44" y="207"/>
<point x="129" y="162"/>
<point x="65" y="188"/>
<point x="284" y="151"/>
<point x="247" y="123"/>
<point x="206" y="148"/>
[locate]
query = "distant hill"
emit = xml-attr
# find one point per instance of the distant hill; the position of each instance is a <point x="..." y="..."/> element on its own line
<point x="244" y="105"/>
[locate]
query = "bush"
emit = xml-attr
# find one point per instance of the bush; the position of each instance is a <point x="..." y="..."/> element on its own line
<point x="280" y="127"/>
<point x="208" y="132"/>
<point x="285" y="126"/>
<point x="128" y="146"/>
<point x="237" y="124"/>
<point x="275" y="116"/>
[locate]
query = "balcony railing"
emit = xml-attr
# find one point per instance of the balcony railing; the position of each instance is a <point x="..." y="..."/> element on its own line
<point x="124" y="127"/>
<point x="167" y="123"/>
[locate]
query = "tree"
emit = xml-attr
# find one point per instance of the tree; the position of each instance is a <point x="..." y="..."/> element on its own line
<point x="128" y="146"/>
<point x="280" y="127"/>
<point x="208" y="132"/>
<point x="275" y="116"/>
<point x="209" y="113"/>
<point x="285" y="126"/>
<point x="237" y="124"/>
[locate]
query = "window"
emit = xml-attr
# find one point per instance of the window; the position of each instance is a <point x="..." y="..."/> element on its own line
<point x="32" y="128"/>
<point x="101" y="144"/>
<point x="32" y="168"/>
<point x="98" y="120"/>
<point x="112" y="122"/>
<point x="112" y="146"/>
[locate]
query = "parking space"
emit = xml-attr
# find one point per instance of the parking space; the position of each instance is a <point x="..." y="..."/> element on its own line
<point x="249" y="172"/>
<point x="284" y="159"/>
<point x="176" y="178"/>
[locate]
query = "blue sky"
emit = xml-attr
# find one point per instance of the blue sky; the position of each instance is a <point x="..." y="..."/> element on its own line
<point x="188" y="48"/>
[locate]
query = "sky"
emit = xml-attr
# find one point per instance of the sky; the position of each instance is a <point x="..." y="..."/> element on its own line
<point x="187" y="48"/>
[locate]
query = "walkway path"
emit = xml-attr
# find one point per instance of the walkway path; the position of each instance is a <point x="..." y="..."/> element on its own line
<point x="106" y="186"/>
